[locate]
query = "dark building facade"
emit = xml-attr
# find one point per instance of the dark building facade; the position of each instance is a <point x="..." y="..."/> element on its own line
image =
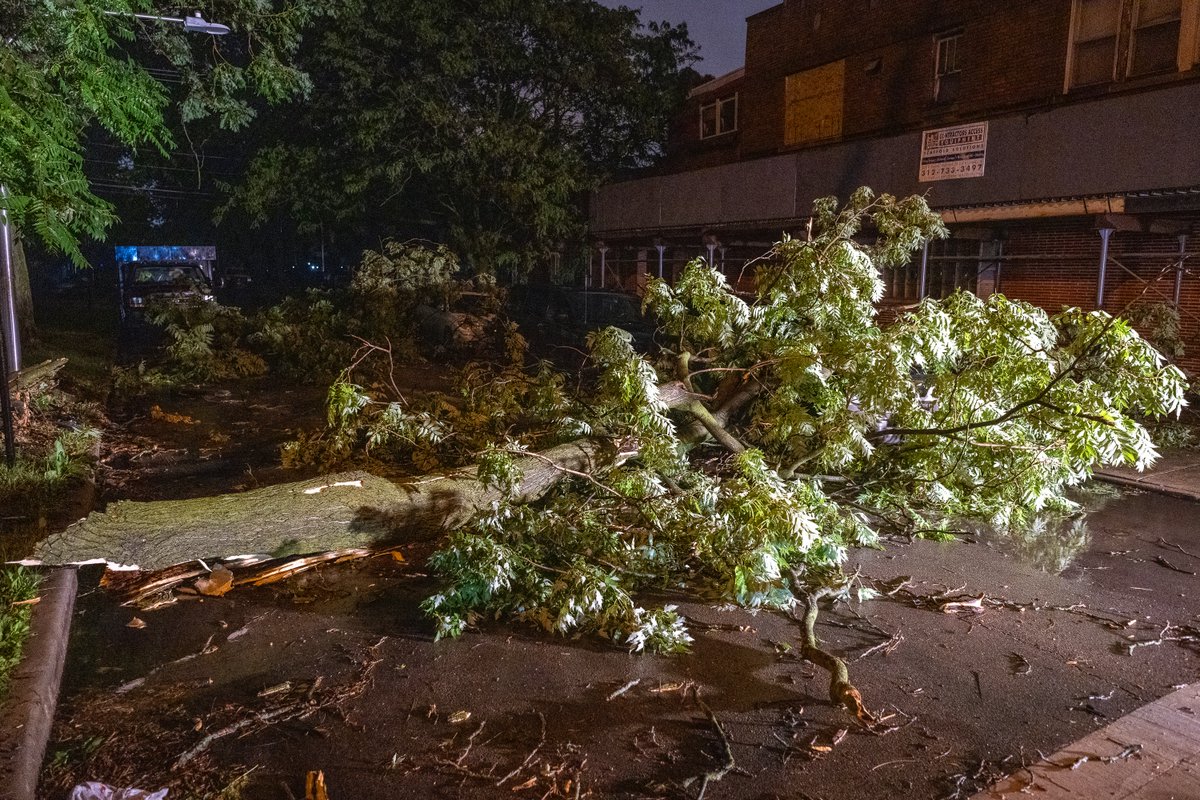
<point x="1058" y="139"/>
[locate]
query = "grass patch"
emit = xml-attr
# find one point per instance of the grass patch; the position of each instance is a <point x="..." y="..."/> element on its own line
<point x="17" y="584"/>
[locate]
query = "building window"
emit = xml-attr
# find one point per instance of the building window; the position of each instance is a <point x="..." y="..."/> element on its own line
<point x="1155" y="45"/>
<point x="719" y="117"/>
<point x="947" y="71"/>
<point x="1094" y="49"/>
<point x="1113" y="39"/>
<point x="813" y="104"/>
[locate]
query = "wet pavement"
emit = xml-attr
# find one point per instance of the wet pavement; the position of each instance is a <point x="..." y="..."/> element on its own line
<point x="1028" y="662"/>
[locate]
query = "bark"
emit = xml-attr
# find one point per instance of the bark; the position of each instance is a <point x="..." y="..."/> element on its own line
<point x="30" y="377"/>
<point x="333" y="512"/>
<point x="23" y="291"/>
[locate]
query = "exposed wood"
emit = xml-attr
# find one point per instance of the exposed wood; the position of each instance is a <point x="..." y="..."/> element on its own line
<point x="332" y="513"/>
<point x="31" y="376"/>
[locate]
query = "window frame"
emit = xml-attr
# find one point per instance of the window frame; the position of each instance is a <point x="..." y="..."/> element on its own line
<point x="1187" y="54"/>
<point x="953" y="37"/>
<point x="717" y="105"/>
<point x="1135" y="28"/>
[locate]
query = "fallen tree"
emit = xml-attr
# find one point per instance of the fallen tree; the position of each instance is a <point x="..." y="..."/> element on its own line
<point x="768" y="437"/>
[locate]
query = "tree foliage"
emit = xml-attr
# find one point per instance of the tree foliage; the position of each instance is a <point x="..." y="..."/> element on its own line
<point x="774" y="432"/>
<point x="480" y="124"/>
<point x="69" y="67"/>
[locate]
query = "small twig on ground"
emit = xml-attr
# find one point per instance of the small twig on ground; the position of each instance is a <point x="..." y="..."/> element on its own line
<point x="470" y="743"/>
<point x="623" y="689"/>
<point x="1162" y="562"/>
<point x="265" y="718"/>
<point x="1169" y="633"/>
<point x="1163" y="543"/>
<point x="726" y="762"/>
<point x="887" y="647"/>
<point x="528" y="758"/>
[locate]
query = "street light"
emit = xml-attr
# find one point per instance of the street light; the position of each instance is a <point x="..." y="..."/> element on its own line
<point x="10" y="335"/>
<point x="192" y="24"/>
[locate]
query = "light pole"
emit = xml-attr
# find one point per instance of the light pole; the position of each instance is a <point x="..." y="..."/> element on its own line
<point x="10" y="334"/>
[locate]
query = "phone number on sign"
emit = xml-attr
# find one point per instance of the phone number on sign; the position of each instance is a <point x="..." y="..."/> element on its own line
<point x="935" y="171"/>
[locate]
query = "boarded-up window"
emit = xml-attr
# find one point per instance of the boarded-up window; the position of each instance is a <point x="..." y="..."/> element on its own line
<point x="1095" y="47"/>
<point x="1155" y="37"/>
<point x="813" y="104"/>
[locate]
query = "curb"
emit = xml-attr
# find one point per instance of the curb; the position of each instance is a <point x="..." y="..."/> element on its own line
<point x="27" y="712"/>
<point x="1134" y="483"/>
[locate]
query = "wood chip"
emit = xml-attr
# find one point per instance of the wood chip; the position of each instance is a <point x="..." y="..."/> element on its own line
<point x="314" y="786"/>
<point x="216" y="584"/>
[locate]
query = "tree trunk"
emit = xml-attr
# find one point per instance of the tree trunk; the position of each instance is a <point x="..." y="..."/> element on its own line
<point x="23" y="291"/>
<point x="333" y="512"/>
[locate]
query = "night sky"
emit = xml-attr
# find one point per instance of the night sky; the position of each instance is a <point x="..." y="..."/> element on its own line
<point x="718" y="26"/>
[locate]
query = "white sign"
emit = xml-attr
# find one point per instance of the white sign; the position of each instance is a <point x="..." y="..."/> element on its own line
<point x="955" y="152"/>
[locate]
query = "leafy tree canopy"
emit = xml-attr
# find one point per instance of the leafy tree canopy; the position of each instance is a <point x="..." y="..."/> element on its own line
<point x="482" y="124"/>
<point x="68" y="67"/>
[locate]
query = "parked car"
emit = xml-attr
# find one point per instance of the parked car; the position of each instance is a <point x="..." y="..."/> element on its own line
<point x="559" y="315"/>
<point x="148" y="283"/>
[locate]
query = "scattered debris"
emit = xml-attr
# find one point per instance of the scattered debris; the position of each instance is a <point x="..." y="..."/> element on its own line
<point x="1018" y="664"/>
<point x="93" y="790"/>
<point x="216" y="584"/>
<point x="725" y="763"/>
<point x="1185" y="634"/>
<point x="623" y="689"/>
<point x="334" y="485"/>
<point x="156" y="413"/>
<point x="1163" y="543"/>
<point x="1162" y="562"/>
<point x="458" y="717"/>
<point x="974" y="605"/>
<point x="1129" y="751"/>
<point x="136" y="622"/>
<point x="314" y="786"/>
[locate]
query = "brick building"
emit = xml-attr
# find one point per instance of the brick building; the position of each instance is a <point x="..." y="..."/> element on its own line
<point x="1058" y="138"/>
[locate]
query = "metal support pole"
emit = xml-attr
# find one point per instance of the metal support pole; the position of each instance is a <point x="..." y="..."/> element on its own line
<point x="10" y="341"/>
<point x="711" y="250"/>
<point x="1105" y="233"/>
<point x="6" y="410"/>
<point x="8" y="290"/>
<point x="1183" y="238"/>
<point x="999" y="266"/>
<point x="603" y="264"/>
<point x="924" y="270"/>
<point x="661" y="248"/>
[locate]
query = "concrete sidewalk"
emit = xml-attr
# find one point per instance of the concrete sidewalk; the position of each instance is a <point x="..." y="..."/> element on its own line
<point x="1150" y="754"/>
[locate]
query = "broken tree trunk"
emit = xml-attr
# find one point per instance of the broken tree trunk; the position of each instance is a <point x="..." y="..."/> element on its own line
<point x="333" y="512"/>
<point x="28" y="378"/>
<point x="342" y="512"/>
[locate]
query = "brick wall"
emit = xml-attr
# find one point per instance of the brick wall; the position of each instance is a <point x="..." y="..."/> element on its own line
<point x="1062" y="268"/>
<point x="1012" y="55"/>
